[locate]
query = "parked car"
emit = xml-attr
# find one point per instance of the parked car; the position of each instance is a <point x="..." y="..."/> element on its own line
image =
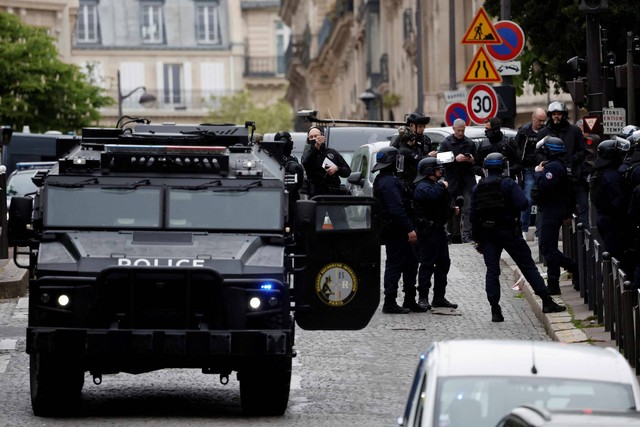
<point x="533" y="416"/>
<point x="476" y="382"/>
<point x="19" y="182"/>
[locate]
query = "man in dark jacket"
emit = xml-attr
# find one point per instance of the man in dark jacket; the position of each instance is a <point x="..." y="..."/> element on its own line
<point x="495" y="211"/>
<point x="459" y="173"/>
<point x="293" y="167"/>
<point x="497" y="142"/>
<point x="324" y="167"/>
<point x="398" y="233"/>
<point x="414" y="145"/>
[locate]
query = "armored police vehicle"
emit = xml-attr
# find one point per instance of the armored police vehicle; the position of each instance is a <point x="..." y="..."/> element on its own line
<point x="168" y="246"/>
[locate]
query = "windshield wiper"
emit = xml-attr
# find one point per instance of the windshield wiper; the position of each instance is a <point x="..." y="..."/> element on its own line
<point x="243" y="188"/>
<point x="216" y="183"/>
<point x="131" y="186"/>
<point x="75" y="184"/>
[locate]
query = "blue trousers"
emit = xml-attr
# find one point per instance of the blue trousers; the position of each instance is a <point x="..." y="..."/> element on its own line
<point x="551" y="222"/>
<point x="401" y="261"/>
<point x="434" y="261"/>
<point x="528" y="181"/>
<point x="511" y="241"/>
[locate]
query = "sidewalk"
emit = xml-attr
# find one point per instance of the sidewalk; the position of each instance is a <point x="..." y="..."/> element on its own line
<point x="562" y="326"/>
<point x="14" y="281"/>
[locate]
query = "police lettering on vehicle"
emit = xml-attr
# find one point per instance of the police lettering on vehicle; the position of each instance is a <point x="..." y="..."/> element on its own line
<point x="156" y="262"/>
<point x="336" y="284"/>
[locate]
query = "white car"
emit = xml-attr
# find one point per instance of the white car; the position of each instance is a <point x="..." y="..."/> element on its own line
<point x="477" y="382"/>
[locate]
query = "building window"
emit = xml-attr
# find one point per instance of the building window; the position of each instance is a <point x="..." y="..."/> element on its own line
<point x="208" y="23"/>
<point x="282" y="42"/>
<point x="87" y="27"/>
<point x="152" y="22"/>
<point x="172" y="95"/>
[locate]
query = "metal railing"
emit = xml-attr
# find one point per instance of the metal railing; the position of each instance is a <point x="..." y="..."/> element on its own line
<point x="606" y="288"/>
<point x="264" y="66"/>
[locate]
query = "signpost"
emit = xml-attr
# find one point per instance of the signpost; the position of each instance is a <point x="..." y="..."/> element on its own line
<point x="613" y="120"/>
<point x="481" y="30"/>
<point x="482" y="103"/>
<point x="512" y="44"/>
<point x="482" y="69"/>
<point x="455" y="111"/>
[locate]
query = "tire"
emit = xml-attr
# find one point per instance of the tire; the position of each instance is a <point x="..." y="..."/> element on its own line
<point x="56" y="383"/>
<point x="265" y="385"/>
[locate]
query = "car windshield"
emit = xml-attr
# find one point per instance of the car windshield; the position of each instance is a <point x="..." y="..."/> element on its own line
<point x="199" y="208"/>
<point x="348" y="139"/>
<point x="483" y="401"/>
<point x="21" y="184"/>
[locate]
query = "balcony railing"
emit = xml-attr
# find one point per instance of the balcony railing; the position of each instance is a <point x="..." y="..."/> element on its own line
<point x="266" y="66"/>
<point x="176" y="100"/>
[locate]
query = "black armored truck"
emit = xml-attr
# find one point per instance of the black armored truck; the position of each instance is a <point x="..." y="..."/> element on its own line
<point x="171" y="246"/>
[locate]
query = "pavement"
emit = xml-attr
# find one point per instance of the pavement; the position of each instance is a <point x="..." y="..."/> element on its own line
<point x="559" y="326"/>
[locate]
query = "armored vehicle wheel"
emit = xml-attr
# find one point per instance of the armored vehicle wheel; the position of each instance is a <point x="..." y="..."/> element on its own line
<point x="56" y="382"/>
<point x="264" y="386"/>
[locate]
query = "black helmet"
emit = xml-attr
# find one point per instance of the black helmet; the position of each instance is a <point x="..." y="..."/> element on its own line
<point x="556" y="106"/>
<point x="495" y="161"/>
<point x="418" y="118"/>
<point x="628" y="130"/>
<point x="611" y="151"/>
<point x="553" y="146"/>
<point x="427" y="167"/>
<point x="386" y="157"/>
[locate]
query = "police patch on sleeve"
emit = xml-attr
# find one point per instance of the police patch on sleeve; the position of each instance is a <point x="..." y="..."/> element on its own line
<point x="336" y="284"/>
<point x="548" y="175"/>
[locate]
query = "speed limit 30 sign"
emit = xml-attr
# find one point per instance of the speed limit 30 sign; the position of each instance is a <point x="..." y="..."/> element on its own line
<point x="482" y="103"/>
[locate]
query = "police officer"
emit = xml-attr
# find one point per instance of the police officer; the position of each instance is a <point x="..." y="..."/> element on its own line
<point x="293" y="167"/>
<point x="556" y="201"/>
<point x="630" y="170"/>
<point x="398" y="233"/>
<point x="414" y="145"/>
<point x="433" y="207"/>
<point x="558" y="125"/>
<point x="610" y="201"/>
<point x="496" y="203"/>
<point x="497" y="142"/>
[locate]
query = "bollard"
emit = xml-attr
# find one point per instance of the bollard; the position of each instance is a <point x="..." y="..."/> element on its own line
<point x="597" y="279"/>
<point x="617" y="307"/>
<point x="584" y="287"/>
<point x="607" y="290"/>
<point x="628" y="297"/>
<point x="590" y="273"/>
<point x="581" y="255"/>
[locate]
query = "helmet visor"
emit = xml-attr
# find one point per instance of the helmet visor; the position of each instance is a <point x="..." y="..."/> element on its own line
<point x="622" y="144"/>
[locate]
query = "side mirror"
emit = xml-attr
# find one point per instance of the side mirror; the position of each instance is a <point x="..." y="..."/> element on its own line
<point x="356" y="179"/>
<point x="19" y="226"/>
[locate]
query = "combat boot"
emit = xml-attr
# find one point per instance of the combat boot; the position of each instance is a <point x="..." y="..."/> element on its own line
<point x="424" y="302"/>
<point x="553" y="286"/>
<point x="496" y="314"/>
<point x="391" y="307"/>
<point x="414" y="306"/>
<point x="550" y="306"/>
<point x="443" y="302"/>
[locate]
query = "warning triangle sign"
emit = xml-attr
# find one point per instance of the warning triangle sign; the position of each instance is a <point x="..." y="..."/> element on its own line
<point x="590" y="123"/>
<point x="481" y="31"/>
<point x="482" y="69"/>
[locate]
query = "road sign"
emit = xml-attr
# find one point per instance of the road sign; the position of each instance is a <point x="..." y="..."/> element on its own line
<point x="482" y="69"/>
<point x="512" y="38"/>
<point x="451" y="96"/>
<point x="481" y="30"/>
<point x="511" y="68"/>
<point x="482" y="103"/>
<point x="613" y="120"/>
<point x="457" y="110"/>
<point x="589" y="124"/>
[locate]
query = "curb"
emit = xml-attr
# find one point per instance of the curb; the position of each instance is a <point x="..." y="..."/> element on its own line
<point x="14" y="281"/>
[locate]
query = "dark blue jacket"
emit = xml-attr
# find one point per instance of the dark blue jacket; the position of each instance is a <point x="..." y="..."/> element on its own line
<point x="395" y="204"/>
<point x="554" y="187"/>
<point x="432" y="202"/>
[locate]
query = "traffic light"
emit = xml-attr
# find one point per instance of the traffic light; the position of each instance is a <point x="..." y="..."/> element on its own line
<point x="578" y="67"/>
<point x="593" y="6"/>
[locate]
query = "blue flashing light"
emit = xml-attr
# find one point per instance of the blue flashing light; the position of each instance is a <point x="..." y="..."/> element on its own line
<point x="267" y="286"/>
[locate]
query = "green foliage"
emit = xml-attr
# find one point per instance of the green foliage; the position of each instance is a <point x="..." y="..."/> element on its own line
<point x="240" y="108"/>
<point x="555" y="31"/>
<point x="36" y="88"/>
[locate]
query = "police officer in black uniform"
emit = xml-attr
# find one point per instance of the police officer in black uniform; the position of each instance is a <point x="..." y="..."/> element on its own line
<point x="433" y="208"/>
<point x="555" y="197"/>
<point x="414" y="145"/>
<point x="497" y="142"/>
<point x="496" y="203"/>
<point x="293" y="167"/>
<point x="398" y="233"/>
<point x="611" y="201"/>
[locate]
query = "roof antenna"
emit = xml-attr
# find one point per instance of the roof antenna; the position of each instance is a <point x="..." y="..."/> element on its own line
<point x="331" y="116"/>
<point x="534" y="370"/>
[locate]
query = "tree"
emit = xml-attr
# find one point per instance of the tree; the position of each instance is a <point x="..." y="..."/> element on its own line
<point x="39" y="90"/>
<point x="240" y="108"/>
<point x="556" y="31"/>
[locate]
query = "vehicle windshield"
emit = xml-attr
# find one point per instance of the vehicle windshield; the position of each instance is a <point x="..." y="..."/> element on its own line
<point x="201" y="208"/>
<point x="21" y="184"/>
<point x="483" y="401"/>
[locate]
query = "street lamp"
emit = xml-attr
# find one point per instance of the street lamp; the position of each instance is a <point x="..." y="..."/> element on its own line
<point x="146" y="100"/>
<point x="369" y="99"/>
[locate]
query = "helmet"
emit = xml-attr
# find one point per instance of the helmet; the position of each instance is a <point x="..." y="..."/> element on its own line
<point x="427" y="167"/>
<point x="495" y="161"/>
<point x="556" y="106"/>
<point x="418" y="118"/>
<point x="628" y="130"/>
<point x="611" y="151"/>
<point x="553" y="145"/>
<point x="386" y="157"/>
